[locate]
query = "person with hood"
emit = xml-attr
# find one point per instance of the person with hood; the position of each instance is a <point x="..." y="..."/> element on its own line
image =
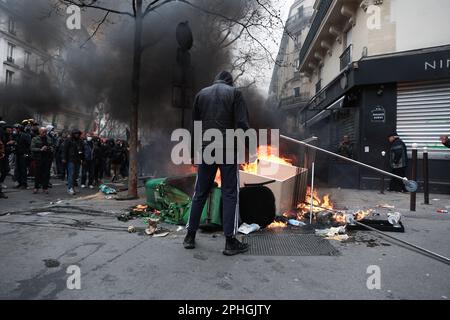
<point x="220" y="106"/>
<point x="42" y="152"/>
<point x="88" y="167"/>
<point x="73" y="153"/>
<point x="398" y="161"/>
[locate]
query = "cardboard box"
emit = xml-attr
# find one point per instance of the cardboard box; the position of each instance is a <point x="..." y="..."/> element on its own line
<point x="289" y="187"/>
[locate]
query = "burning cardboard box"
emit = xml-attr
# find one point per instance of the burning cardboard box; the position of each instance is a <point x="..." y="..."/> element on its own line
<point x="289" y="186"/>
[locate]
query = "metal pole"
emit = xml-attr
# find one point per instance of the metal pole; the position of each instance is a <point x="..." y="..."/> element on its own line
<point x="344" y="158"/>
<point x="413" y="176"/>
<point x="440" y="257"/>
<point x="383" y="154"/>
<point x="426" y="191"/>
<point x="312" y="194"/>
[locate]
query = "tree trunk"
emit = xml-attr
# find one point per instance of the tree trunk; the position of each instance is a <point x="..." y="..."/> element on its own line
<point x="133" y="179"/>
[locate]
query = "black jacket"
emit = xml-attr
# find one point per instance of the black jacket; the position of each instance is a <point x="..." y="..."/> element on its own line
<point x="221" y="106"/>
<point x="23" y="143"/>
<point x="73" y="150"/>
<point x="398" y="157"/>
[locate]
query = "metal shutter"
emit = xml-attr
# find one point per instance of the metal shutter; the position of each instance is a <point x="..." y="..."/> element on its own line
<point x="423" y="115"/>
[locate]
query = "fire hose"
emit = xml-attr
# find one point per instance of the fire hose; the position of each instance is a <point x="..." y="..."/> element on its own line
<point x="410" y="185"/>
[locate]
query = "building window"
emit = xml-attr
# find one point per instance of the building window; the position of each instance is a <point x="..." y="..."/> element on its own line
<point x="12" y="26"/>
<point x="297" y="92"/>
<point x="346" y="57"/>
<point x="9" y="77"/>
<point x="27" y="59"/>
<point x="10" y="53"/>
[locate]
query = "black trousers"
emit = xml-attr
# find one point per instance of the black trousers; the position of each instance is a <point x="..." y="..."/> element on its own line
<point x="4" y="168"/>
<point x="21" y="167"/>
<point x="87" y="169"/>
<point x="397" y="184"/>
<point x="42" y="173"/>
<point x="230" y="196"/>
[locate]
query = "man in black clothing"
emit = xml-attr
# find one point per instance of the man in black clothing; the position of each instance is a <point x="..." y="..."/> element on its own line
<point x="398" y="161"/>
<point x="222" y="107"/>
<point x="22" y="142"/>
<point x="73" y="155"/>
<point x="42" y="152"/>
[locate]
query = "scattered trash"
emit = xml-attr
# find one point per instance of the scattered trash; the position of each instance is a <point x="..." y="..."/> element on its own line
<point x="140" y="208"/>
<point x="331" y="232"/>
<point x="152" y="226"/>
<point x="51" y="263"/>
<point x="435" y="199"/>
<point x="107" y="190"/>
<point x="160" y="235"/>
<point x="131" y="229"/>
<point x="442" y="211"/>
<point x="339" y="237"/>
<point x="386" y="206"/>
<point x="110" y="197"/>
<point x="123" y="217"/>
<point x="180" y="228"/>
<point x="394" y="218"/>
<point x="248" y="228"/>
<point x="296" y="223"/>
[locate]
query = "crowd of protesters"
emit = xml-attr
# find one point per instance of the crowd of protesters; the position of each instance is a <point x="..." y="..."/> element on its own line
<point x="29" y="151"/>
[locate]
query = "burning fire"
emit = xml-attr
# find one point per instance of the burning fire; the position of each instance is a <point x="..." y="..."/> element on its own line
<point x="267" y="153"/>
<point x="319" y="204"/>
<point x="276" y="224"/>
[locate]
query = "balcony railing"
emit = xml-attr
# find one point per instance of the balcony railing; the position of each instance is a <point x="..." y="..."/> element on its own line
<point x="10" y="59"/>
<point x="346" y="57"/>
<point x="293" y="101"/>
<point x="321" y="13"/>
<point x="318" y="86"/>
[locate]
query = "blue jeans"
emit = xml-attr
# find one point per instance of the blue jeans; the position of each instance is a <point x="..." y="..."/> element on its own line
<point x="73" y="172"/>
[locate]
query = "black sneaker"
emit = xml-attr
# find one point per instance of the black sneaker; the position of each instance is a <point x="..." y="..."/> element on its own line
<point x="189" y="240"/>
<point x="234" y="246"/>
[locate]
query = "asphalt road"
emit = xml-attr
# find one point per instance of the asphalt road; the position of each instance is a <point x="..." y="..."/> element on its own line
<point x="37" y="247"/>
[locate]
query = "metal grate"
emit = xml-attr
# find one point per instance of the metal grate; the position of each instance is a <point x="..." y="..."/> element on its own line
<point x="273" y="244"/>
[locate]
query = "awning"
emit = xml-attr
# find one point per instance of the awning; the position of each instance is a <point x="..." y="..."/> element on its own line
<point x="338" y="104"/>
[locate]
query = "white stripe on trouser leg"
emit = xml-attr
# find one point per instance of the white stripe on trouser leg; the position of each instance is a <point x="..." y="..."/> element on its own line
<point x="195" y="188"/>
<point x="236" y="211"/>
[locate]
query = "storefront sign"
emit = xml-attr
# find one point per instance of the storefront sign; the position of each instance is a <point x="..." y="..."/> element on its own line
<point x="378" y="114"/>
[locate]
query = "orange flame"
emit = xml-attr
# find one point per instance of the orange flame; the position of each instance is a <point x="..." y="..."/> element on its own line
<point x="267" y="153"/>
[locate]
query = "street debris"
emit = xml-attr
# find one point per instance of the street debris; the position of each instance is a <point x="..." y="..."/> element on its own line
<point x="386" y="206"/>
<point x="248" y="228"/>
<point x="180" y="228"/>
<point x="107" y="190"/>
<point x="394" y="218"/>
<point x="339" y="237"/>
<point x="296" y="223"/>
<point x="131" y="229"/>
<point x="331" y="232"/>
<point x="160" y="235"/>
<point x="442" y="211"/>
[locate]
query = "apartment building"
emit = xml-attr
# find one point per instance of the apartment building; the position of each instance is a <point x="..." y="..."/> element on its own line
<point x="374" y="67"/>
<point x="287" y="91"/>
<point x="22" y="60"/>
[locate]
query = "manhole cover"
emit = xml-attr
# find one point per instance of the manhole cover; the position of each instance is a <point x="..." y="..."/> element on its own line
<point x="272" y="244"/>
